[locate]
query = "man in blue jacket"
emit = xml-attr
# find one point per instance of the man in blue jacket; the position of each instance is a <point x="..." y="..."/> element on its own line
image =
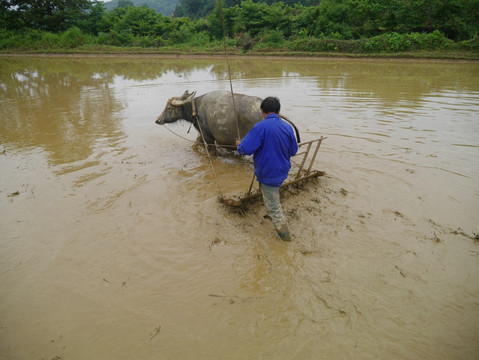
<point x="272" y="142"/>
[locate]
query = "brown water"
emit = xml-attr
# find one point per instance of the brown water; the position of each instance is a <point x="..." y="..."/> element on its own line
<point x="113" y="245"/>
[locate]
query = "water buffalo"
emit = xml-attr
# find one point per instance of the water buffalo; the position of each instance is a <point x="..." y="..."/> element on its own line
<point x="214" y="113"/>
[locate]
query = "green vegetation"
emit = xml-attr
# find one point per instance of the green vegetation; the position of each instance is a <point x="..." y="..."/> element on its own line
<point x="427" y="28"/>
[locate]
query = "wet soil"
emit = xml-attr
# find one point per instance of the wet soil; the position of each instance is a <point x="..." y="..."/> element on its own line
<point x="115" y="246"/>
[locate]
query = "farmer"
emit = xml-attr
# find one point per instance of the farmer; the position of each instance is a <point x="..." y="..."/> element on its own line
<point x="272" y="142"/>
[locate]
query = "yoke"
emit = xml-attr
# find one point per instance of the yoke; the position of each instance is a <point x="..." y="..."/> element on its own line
<point x="303" y="172"/>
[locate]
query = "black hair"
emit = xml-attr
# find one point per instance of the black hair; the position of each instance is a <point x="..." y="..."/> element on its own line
<point x="271" y="105"/>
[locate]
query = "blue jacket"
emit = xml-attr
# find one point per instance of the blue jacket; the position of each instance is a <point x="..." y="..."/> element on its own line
<point x="272" y="142"/>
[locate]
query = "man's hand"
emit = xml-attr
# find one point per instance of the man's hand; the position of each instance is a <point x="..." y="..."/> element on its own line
<point x="238" y="142"/>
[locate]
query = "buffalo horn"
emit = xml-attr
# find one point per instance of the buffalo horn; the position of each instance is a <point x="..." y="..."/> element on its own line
<point x="180" y="102"/>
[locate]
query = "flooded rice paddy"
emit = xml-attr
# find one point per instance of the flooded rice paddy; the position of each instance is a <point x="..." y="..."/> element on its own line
<point x="113" y="244"/>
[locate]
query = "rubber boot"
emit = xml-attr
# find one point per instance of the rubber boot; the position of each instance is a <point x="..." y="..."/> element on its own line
<point x="283" y="233"/>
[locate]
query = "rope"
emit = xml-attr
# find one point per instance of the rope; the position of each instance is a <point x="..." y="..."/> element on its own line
<point x="178" y="134"/>
<point x="209" y="157"/>
<point x="193" y="141"/>
<point x="229" y="68"/>
<point x="195" y="115"/>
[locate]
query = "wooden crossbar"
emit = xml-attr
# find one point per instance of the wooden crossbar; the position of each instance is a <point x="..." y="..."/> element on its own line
<point x="306" y="153"/>
<point x="301" y="174"/>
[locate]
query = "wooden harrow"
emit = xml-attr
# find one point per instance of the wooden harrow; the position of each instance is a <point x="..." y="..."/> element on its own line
<point x="303" y="172"/>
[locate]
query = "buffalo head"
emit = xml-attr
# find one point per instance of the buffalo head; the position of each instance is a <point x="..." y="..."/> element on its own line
<point x="174" y="109"/>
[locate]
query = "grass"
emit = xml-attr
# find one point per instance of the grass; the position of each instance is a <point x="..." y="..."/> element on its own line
<point x="274" y="52"/>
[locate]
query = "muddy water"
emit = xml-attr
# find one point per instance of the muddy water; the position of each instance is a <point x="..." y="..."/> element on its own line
<point x="113" y="245"/>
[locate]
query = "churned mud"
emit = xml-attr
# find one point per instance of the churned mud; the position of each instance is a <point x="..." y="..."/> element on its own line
<point x="114" y="244"/>
<point x="156" y="259"/>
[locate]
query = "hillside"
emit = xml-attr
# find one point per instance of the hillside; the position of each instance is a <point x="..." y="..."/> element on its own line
<point x="165" y="7"/>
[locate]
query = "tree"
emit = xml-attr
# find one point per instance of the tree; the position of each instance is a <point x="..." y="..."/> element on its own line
<point x="457" y="19"/>
<point x="92" y="19"/>
<point x="48" y="15"/>
<point x="215" y="20"/>
<point x="139" y="21"/>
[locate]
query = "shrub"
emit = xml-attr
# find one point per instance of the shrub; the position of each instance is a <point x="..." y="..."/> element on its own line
<point x="201" y="39"/>
<point x="437" y="40"/>
<point x="394" y="42"/>
<point x="270" y="38"/>
<point x="8" y="39"/>
<point x="72" y="38"/>
<point x="146" y="41"/>
<point x="469" y="45"/>
<point x="375" y="44"/>
<point x="115" y="38"/>
<point x="327" y="45"/>
<point x="47" y="41"/>
<point x="245" y="41"/>
<point x="177" y="37"/>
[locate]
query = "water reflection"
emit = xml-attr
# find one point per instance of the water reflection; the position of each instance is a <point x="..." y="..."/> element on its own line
<point x="68" y="106"/>
<point x="362" y="77"/>
<point x="61" y="106"/>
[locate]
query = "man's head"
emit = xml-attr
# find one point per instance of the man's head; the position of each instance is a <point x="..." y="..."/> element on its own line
<point x="270" y="105"/>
